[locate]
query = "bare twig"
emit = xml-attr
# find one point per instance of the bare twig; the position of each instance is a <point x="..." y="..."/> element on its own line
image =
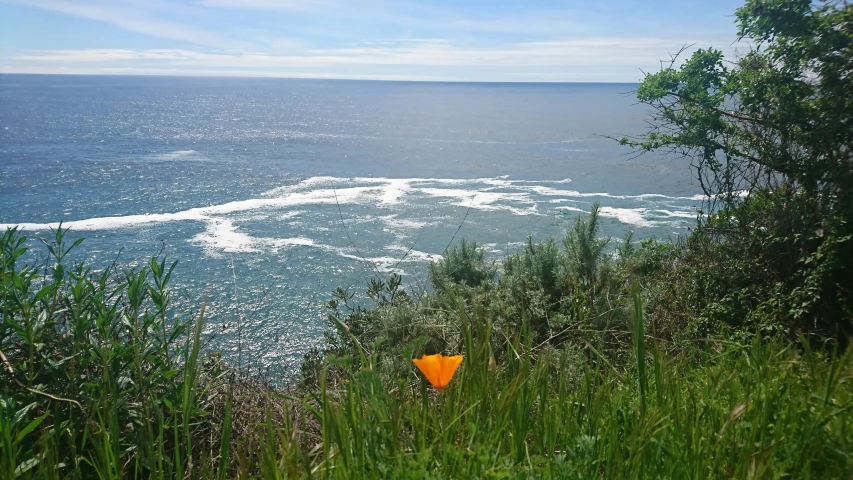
<point x="33" y="390"/>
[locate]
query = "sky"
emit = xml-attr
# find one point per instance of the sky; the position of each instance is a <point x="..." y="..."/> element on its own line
<point x="432" y="40"/>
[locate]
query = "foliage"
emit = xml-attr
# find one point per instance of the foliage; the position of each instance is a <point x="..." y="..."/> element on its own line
<point x="758" y="410"/>
<point x="90" y="359"/>
<point x="584" y="251"/>
<point x="769" y="136"/>
<point x="565" y="374"/>
<point x="517" y="408"/>
<point x="462" y="265"/>
<point x="551" y="290"/>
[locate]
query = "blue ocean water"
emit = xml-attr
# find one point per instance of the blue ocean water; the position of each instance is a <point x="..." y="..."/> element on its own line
<point x="271" y="193"/>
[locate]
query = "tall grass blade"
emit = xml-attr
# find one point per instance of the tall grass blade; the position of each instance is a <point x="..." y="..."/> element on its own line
<point x="225" y="442"/>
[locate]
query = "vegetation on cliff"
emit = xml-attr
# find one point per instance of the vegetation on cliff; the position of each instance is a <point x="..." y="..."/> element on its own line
<point x="723" y="354"/>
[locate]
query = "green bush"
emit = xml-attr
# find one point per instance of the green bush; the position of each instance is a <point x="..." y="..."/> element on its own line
<point x="553" y="293"/>
<point x="769" y="136"/>
<point x="100" y="377"/>
<point x="462" y="265"/>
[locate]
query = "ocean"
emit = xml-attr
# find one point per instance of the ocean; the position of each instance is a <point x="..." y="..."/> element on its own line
<point x="271" y="193"/>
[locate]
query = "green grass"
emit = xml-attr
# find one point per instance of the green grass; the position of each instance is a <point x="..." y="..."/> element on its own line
<point x="734" y="411"/>
<point x="101" y="380"/>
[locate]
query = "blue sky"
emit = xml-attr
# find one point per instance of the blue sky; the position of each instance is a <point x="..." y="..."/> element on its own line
<point x="475" y="40"/>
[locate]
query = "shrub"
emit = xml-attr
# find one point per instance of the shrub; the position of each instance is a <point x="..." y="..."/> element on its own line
<point x="769" y="136"/>
<point x="462" y="265"/>
<point x="99" y="374"/>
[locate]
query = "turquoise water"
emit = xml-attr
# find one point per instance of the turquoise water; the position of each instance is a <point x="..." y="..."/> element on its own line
<point x="270" y="193"/>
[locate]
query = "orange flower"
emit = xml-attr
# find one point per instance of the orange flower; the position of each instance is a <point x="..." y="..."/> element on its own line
<point x="438" y="369"/>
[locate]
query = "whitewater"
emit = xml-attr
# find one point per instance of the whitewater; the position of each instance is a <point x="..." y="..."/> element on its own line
<point x="271" y="193"/>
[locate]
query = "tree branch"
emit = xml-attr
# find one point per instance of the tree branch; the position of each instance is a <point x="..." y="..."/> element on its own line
<point x="33" y="390"/>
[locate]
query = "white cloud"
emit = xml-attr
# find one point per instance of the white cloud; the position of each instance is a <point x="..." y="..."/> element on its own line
<point x="146" y="17"/>
<point x="422" y="15"/>
<point x="464" y="48"/>
<point x="296" y="5"/>
<point x="108" y="55"/>
<point x="264" y="73"/>
<point x="590" y="59"/>
<point x="584" y="51"/>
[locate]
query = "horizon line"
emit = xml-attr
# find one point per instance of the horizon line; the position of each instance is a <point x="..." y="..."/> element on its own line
<point x="342" y="78"/>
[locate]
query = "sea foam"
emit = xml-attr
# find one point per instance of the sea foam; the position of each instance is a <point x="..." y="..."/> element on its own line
<point x="391" y="201"/>
<point x="630" y="216"/>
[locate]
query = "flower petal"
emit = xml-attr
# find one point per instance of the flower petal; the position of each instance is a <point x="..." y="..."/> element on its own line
<point x="448" y="368"/>
<point x="438" y="369"/>
<point x="430" y="366"/>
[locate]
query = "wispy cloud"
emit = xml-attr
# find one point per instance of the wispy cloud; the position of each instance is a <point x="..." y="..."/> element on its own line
<point x="593" y="59"/>
<point x="408" y="14"/>
<point x="149" y="17"/>
<point x="271" y="5"/>
<point x="394" y="39"/>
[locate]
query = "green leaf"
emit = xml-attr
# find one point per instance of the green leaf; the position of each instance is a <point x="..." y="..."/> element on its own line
<point x="30" y="427"/>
